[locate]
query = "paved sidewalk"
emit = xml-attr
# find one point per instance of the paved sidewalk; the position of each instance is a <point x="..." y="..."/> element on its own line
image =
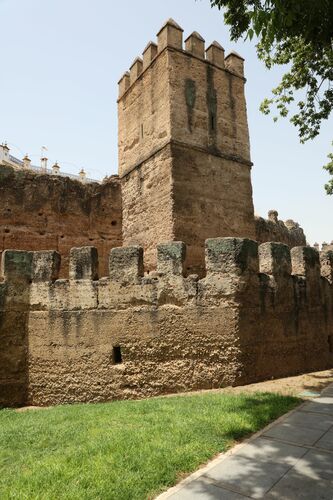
<point x="290" y="459"/>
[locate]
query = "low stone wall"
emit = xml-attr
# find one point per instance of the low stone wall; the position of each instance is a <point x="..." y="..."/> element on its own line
<point x="273" y="229"/>
<point x="260" y="312"/>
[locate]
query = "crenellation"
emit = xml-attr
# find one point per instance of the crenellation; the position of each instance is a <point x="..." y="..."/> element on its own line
<point x="215" y="54"/>
<point x="46" y="265"/>
<point x="305" y="262"/>
<point x="16" y="266"/>
<point x="306" y="270"/>
<point x="149" y="54"/>
<point x="326" y="265"/>
<point x="170" y="35"/>
<point x="275" y="259"/>
<point x="171" y="258"/>
<point x="136" y="70"/>
<point x="124" y="83"/>
<point x="195" y="45"/>
<point x="126" y="264"/>
<point x="231" y="256"/>
<point x="235" y="63"/>
<point x="83" y="263"/>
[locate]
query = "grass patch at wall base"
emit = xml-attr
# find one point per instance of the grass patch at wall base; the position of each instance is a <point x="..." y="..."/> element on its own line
<point x="124" y="449"/>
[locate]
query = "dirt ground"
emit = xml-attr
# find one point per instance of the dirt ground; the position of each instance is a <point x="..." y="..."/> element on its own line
<point x="300" y="385"/>
<point x="290" y="386"/>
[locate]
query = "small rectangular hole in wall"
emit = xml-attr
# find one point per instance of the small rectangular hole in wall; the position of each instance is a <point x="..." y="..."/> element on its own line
<point x="212" y="124"/>
<point x="116" y="355"/>
<point x="141" y="131"/>
<point x="330" y="343"/>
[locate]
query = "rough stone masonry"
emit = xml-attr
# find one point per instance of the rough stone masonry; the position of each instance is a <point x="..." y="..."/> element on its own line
<point x="177" y="295"/>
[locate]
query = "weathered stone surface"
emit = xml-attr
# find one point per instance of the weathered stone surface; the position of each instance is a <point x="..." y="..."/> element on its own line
<point x="184" y="154"/>
<point x="46" y="265"/>
<point x="273" y="229"/>
<point x="45" y="212"/>
<point x="171" y="258"/>
<point x="126" y="264"/>
<point x="83" y="263"/>
<point x="174" y="333"/>
<point x="184" y="164"/>
<point x="275" y="258"/>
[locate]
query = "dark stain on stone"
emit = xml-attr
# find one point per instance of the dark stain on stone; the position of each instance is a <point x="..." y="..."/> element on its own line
<point x="190" y="96"/>
<point x="211" y="104"/>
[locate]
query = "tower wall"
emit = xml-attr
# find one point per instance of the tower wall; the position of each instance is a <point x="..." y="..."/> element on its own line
<point x="184" y="154"/>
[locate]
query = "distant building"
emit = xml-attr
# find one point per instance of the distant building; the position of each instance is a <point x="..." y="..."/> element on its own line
<point x="7" y="160"/>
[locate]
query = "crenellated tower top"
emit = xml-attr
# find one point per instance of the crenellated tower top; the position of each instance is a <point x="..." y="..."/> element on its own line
<point x="184" y="144"/>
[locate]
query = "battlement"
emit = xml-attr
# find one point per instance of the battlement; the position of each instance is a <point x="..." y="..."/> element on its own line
<point x="233" y="265"/>
<point x="260" y="312"/>
<point x="273" y="229"/>
<point x="170" y="36"/>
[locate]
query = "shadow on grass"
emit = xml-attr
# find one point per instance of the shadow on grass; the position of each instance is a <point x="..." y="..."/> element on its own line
<point x="125" y="449"/>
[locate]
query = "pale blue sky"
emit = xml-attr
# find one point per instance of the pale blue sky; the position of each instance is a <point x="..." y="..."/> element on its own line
<point x="60" y="64"/>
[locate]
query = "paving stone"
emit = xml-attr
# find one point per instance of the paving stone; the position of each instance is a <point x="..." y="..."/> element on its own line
<point x="248" y="476"/>
<point x="328" y="392"/>
<point x="312" y="420"/>
<point x="324" y="399"/>
<point x="318" y="407"/>
<point x="272" y="451"/>
<point x="295" y="434"/>
<point x="316" y="465"/>
<point x="294" y="486"/>
<point x="326" y="442"/>
<point x="201" y="489"/>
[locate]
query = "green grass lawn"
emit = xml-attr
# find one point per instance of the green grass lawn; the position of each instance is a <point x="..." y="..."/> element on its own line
<point x="124" y="449"/>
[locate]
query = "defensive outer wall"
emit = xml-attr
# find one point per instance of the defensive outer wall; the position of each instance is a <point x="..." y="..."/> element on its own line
<point x="259" y="312"/>
<point x="252" y="310"/>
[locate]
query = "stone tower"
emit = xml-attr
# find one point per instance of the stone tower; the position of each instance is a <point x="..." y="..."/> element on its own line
<point x="184" y="154"/>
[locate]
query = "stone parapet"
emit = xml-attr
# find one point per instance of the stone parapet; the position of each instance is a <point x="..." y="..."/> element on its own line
<point x="259" y="312"/>
<point x="170" y="36"/>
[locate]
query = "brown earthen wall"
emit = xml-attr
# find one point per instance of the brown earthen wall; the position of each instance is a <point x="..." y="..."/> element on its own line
<point x="41" y="212"/>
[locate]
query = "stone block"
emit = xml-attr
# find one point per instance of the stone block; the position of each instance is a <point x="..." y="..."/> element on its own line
<point x="326" y="265"/>
<point x="83" y="263"/>
<point x="170" y="35"/>
<point x="171" y="258"/>
<point x="16" y="265"/>
<point x="215" y="54"/>
<point x="231" y="255"/>
<point x="274" y="259"/>
<point x="45" y="266"/>
<point x="305" y="262"/>
<point x="126" y="264"/>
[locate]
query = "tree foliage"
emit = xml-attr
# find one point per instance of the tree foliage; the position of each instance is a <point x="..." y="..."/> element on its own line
<point x="298" y="34"/>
